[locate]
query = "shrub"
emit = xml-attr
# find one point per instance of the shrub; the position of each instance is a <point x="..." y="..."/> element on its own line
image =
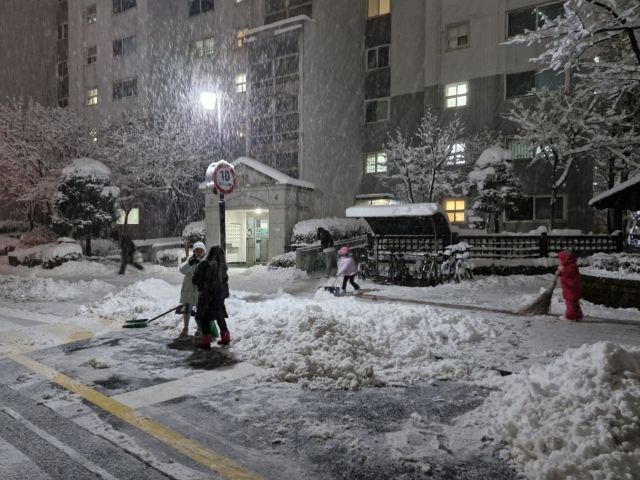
<point x="613" y="262"/>
<point x="62" y="253"/>
<point x="103" y="247"/>
<point x="194" y="232"/>
<point x="9" y="226"/>
<point x="340" y="229"/>
<point x="287" y="260"/>
<point x="172" y="257"/>
<point x="40" y="235"/>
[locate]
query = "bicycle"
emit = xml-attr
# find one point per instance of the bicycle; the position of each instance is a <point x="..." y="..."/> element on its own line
<point x="428" y="270"/>
<point x="398" y="271"/>
<point x="456" y="266"/>
<point x="364" y="267"/>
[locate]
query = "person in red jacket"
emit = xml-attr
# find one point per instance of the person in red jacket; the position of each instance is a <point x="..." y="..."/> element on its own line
<point x="571" y="285"/>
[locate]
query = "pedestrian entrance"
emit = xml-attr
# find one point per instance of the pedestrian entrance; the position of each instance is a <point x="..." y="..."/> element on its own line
<point x="247" y="236"/>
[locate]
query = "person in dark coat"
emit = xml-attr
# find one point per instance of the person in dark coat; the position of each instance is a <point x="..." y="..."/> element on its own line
<point x="128" y="252"/>
<point x="571" y="286"/>
<point x="326" y="242"/>
<point x="212" y="282"/>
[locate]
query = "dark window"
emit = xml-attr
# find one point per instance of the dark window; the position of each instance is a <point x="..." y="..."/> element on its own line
<point x="63" y="31"/>
<point x="376" y="111"/>
<point x="196" y="7"/>
<point x="277" y="10"/>
<point x="526" y="83"/>
<point x="260" y="54"/>
<point x="286" y="123"/>
<point x="378" y="57"/>
<point x="286" y="161"/>
<point x="262" y="126"/>
<point x="125" y="88"/>
<point x="551" y="79"/>
<point x="275" y="18"/>
<point x="286" y="66"/>
<point x="286" y="104"/>
<point x="260" y="107"/>
<point x="92" y="55"/>
<point x="63" y="69"/>
<point x="286" y="46"/>
<point x="261" y="72"/>
<point x="304" y="10"/>
<point x="524" y="211"/>
<point x="92" y="14"/>
<point x="530" y="19"/>
<point x="543" y="208"/>
<point x="272" y="6"/>
<point x="124" y="46"/>
<point x="123" y="5"/>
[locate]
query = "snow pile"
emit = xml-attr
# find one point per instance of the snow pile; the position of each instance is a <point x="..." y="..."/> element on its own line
<point x="277" y="275"/>
<point x="575" y="418"/>
<point x="492" y="156"/>
<point x="286" y="260"/>
<point x="37" y="289"/>
<point x="143" y="299"/>
<point x="170" y="257"/>
<point x="615" y="265"/>
<point x="305" y="232"/>
<point x="8" y="244"/>
<point x="194" y="232"/>
<point x="86" y="167"/>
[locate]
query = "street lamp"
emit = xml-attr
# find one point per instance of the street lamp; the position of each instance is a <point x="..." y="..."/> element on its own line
<point x="208" y="100"/>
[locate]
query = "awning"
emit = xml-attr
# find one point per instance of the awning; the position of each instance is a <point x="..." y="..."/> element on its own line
<point x="625" y="195"/>
<point x="420" y="219"/>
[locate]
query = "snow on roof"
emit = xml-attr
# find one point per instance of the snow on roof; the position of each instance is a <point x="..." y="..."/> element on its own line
<point x="401" y="210"/>
<point x="86" y="167"/>
<point x="618" y="188"/>
<point x="273" y="173"/>
<point x="280" y="23"/>
<point x="493" y="155"/>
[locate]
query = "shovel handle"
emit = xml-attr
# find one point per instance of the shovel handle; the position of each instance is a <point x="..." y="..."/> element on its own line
<point x="163" y="314"/>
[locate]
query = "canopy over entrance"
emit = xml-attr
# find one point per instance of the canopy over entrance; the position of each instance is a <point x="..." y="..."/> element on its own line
<point x="625" y="196"/>
<point x="415" y="219"/>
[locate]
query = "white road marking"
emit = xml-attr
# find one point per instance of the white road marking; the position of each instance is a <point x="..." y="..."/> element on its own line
<point x="92" y="467"/>
<point x="186" y="386"/>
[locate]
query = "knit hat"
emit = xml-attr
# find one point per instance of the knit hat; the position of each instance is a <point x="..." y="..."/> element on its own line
<point x="199" y="245"/>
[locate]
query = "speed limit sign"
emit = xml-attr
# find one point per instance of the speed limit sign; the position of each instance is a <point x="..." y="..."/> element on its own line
<point x="222" y="176"/>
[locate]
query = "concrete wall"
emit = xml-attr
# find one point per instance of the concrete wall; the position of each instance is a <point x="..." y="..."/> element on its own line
<point x="332" y="116"/>
<point x="28" y="43"/>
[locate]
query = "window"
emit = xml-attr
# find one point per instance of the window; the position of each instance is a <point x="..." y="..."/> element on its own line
<point x="376" y="111"/>
<point x="241" y="83"/>
<point x="375" y="201"/>
<point x="536" y="208"/>
<point x="63" y="69"/>
<point x="92" y="55"/>
<point x="202" y="48"/>
<point x="63" y="31"/>
<point x="63" y="102"/>
<point x="527" y="83"/>
<point x="92" y="96"/>
<point x="455" y="210"/>
<point x="196" y="7"/>
<point x="456" y="95"/>
<point x="458" y="36"/>
<point x="520" y="150"/>
<point x="277" y="10"/>
<point x="123" y="5"/>
<point x="125" y="88"/>
<point x="242" y="131"/>
<point x="530" y="19"/>
<point x="133" y="219"/>
<point x="240" y="37"/>
<point x="378" y="7"/>
<point x="124" y="46"/>
<point x="376" y="162"/>
<point x="457" y="157"/>
<point x="378" y="57"/>
<point x="92" y="14"/>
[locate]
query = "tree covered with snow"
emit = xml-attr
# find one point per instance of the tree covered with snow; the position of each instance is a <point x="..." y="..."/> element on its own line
<point x="86" y="201"/>
<point x="160" y="160"/>
<point x="417" y="169"/>
<point x="36" y="143"/>
<point x="495" y="185"/>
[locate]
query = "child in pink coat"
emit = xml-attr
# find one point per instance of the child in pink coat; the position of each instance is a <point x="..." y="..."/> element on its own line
<point x="571" y="285"/>
<point x="347" y="267"/>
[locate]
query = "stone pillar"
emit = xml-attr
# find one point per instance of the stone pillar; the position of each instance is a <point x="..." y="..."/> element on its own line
<point x="212" y="219"/>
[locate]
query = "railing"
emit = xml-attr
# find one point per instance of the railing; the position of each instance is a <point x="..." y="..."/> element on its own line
<point x="310" y="259"/>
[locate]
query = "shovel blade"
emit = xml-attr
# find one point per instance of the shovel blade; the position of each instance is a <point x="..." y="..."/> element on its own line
<point x="333" y="290"/>
<point x="137" y="323"/>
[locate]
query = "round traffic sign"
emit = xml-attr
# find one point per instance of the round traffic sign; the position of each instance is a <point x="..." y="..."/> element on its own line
<point x="224" y="177"/>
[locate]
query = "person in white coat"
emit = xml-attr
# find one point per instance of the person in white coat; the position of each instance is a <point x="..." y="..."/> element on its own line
<point x="189" y="292"/>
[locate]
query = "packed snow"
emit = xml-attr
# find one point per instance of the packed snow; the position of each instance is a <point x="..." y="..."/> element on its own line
<point x="38" y="289"/>
<point x="86" y="167"/>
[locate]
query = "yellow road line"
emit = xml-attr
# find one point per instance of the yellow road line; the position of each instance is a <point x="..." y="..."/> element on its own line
<point x="216" y="462"/>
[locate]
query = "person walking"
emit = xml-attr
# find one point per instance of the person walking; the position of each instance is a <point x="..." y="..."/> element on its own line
<point x="326" y="242"/>
<point x="212" y="282"/>
<point x="571" y="285"/>
<point x="128" y="254"/>
<point x="348" y="268"/>
<point x="189" y="292"/>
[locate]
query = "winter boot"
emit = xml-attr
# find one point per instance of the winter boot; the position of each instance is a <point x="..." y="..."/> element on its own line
<point x="206" y="342"/>
<point x="226" y="338"/>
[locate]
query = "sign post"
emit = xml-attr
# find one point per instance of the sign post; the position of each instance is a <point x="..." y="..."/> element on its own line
<point x="221" y="178"/>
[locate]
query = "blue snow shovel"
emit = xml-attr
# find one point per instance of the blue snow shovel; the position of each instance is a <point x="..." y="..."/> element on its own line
<point x="333" y="289"/>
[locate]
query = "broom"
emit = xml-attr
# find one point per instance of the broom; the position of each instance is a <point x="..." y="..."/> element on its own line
<point x="542" y="304"/>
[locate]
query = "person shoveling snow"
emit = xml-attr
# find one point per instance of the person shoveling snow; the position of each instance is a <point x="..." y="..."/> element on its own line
<point x="189" y="292"/>
<point x="348" y="268"/>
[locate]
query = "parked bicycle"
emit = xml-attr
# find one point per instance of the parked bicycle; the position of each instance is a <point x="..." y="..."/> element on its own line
<point x="427" y="269"/>
<point x="456" y="265"/>
<point x="365" y="268"/>
<point x="398" y="271"/>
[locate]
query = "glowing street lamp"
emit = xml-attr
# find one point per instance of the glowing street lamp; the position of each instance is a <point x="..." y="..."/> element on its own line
<point x="208" y="100"/>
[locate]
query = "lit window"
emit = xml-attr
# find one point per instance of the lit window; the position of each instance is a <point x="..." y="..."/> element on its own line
<point x="63" y="31"/>
<point x="202" y="48"/>
<point x="455" y="210"/>
<point x="241" y="82"/>
<point x="92" y="96"/>
<point x="376" y="111"/>
<point x="530" y="19"/>
<point x="133" y="219"/>
<point x="518" y="148"/>
<point x="240" y="37"/>
<point x="458" y="36"/>
<point x="378" y="7"/>
<point x="92" y="55"/>
<point x="457" y="157"/>
<point x="374" y="201"/>
<point x="376" y="162"/>
<point x="527" y="83"/>
<point x="125" y="88"/>
<point x="378" y="57"/>
<point x="124" y="46"/>
<point x="196" y="7"/>
<point x="456" y="95"/>
<point x="242" y="131"/>
<point x="92" y="14"/>
<point x="123" y="5"/>
<point x="63" y="69"/>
